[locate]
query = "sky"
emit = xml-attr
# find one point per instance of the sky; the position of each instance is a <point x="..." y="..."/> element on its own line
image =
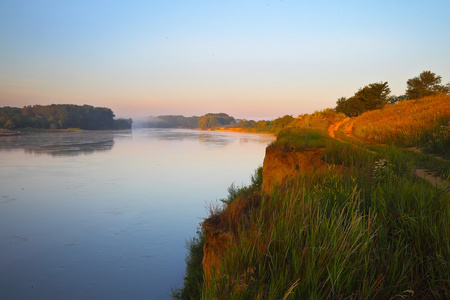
<point x="249" y="59"/>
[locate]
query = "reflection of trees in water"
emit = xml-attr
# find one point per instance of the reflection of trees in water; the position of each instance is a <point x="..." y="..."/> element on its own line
<point x="208" y="138"/>
<point x="214" y="140"/>
<point x="71" y="149"/>
<point x="60" y="144"/>
<point x="256" y="139"/>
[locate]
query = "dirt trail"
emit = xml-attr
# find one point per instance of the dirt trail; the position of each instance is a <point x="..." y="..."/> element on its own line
<point x="433" y="179"/>
<point x="333" y="128"/>
<point x="422" y="173"/>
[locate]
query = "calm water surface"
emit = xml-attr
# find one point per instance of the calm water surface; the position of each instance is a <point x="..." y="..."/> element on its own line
<point x="105" y="215"/>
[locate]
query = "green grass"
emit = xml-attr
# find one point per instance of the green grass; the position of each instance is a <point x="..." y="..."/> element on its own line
<point x="299" y="139"/>
<point x="193" y="279"/>
<point x="335" y="237"/>
<point x="373" y="230"/>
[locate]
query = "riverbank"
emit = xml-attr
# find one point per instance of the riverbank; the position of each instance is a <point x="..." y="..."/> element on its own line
<point x="7" y="132"/>
<point x="334" y="218"/>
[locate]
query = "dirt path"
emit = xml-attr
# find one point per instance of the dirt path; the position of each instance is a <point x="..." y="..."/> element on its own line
<point x="422" y="173"/>
<point x="433" y="179"/>
<point x="333" y="128"/>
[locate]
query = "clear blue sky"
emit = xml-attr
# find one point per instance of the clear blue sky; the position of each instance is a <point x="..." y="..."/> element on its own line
<point x="250" y="59"/>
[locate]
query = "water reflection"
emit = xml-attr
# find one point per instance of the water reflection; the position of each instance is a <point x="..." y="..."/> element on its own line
<point x="113" y="224"/>
<point x="71" y="149"/>
<point x="62" y="143"/>
<point x="88" y="142"/>
<point x="208" y="138"/>
<point x="213" y="138"/>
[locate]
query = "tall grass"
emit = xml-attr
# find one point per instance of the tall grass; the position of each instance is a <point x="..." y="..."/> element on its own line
<point x="319" y="120"/>
<point x="367" y="228"/>
<point x="193" y="278"/>
<point x="330" y="236"/>
<point x="299" y="139"/>
<point x="424" y="123"/>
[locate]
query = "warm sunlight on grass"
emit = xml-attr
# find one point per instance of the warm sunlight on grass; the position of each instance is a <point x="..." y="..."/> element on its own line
<point x="424" y="122"/>
<point x="318" y="120"/>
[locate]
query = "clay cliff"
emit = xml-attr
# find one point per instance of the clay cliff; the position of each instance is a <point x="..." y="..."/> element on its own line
<point x="279" y="166"/>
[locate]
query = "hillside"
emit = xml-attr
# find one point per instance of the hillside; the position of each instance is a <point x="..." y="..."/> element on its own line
<point x="334" y="214"/>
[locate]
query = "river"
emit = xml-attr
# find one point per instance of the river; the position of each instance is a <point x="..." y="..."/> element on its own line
<point x="106" y="214"/>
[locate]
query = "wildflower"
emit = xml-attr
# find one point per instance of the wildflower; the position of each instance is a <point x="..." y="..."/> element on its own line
<point x="383" y="171"/>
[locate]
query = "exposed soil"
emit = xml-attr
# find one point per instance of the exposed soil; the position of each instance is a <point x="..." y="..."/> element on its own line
<point x="333" y="128"/>
<point x="432" y="178"/>
<point x="280" y="166"/>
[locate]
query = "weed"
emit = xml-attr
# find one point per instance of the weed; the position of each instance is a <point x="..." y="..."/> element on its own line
<point x="383" y="172"/>
<point x="193" y="279"/>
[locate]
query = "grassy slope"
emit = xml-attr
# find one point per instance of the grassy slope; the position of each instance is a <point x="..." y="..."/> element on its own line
<point x="424" y="123"/>
<point x="374" y="230"/>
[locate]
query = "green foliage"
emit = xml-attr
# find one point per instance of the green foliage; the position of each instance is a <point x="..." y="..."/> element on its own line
<point x="437" y="139"/>
<point x="332" y="236"/>
<point x="347" y="155"/>
<point x="235" y="192"/>
<point x="60" y="116"/>
<point x="171" y="121"/>
<point x="123" y="123"/>
<point x="193" y="279"/>
<point x="382" y="172"/>
<point x="274" y="126"/>
<point x="372" y="96"/>
<point x="426" y="84"/>
<point x="209" y="121"/>
<point x="281" y="123"/>
<point x="375" y="231"/>
<point x="299" y="139"/>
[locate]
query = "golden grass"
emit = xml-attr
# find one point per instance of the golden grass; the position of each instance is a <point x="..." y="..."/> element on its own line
<point x="403" y="123"/>
<point x="319" y="120"/>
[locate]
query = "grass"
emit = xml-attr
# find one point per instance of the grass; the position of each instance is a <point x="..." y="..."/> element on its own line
<point x="367" y="228"/>
<point x="424" y="123"/>
<point x="193" y="279"/>
<point x="299" y="139"/>
<point x="319" y="120"/>
<point x="332" y="237"/>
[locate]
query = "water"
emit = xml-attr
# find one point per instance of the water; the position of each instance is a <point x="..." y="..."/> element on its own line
<point x="106" y="215"/>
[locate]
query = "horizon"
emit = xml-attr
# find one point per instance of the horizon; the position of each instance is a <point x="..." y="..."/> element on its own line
<point x="253" y="60"/>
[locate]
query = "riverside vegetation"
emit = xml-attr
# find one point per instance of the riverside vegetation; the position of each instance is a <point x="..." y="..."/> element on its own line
<point x="362" y="227"/>
<point x="61" y="116"/>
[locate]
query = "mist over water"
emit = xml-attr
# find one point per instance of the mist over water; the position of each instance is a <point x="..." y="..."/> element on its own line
<point x="105" y="214"/>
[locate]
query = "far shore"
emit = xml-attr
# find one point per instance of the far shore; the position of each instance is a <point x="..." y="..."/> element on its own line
<point x="238" y="130"/>
<point x="7" y="132"/>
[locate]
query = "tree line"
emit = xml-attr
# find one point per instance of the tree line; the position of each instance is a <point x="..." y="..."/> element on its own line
<point x="61" y="116"/>
<point x="377" y="95"/>
<point x="212" y="121"/>
<point x="207" y="121"/>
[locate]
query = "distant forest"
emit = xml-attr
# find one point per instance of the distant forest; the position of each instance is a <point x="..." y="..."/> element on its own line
<point x="207" y="121"/>
<point x="61" y="116"/>
<point x="215" y="121"/>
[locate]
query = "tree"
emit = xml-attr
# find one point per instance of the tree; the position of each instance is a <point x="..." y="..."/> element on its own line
<point x="281" y="122"/>
<point x="426" y="84"/>
<point x="60" y="116"/>
<point x="372" y="96"/>
<point x="215" y="120"/>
